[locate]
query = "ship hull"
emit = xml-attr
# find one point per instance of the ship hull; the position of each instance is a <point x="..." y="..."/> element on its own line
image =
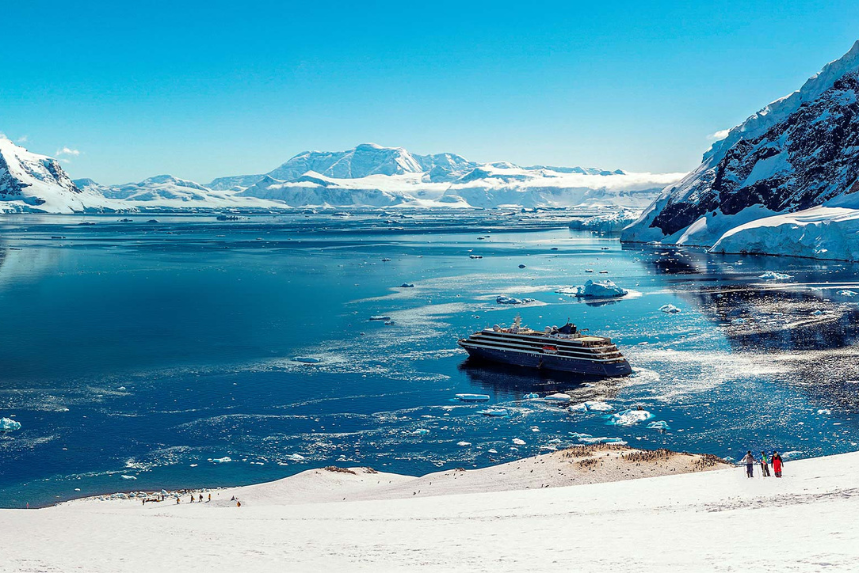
<point x="550" y="362"/>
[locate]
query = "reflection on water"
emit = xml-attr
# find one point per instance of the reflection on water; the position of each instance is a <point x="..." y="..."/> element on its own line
<point x="517" y="381"/>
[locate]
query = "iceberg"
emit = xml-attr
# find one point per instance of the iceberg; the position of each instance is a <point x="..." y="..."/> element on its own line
<point x="669" y="308"/>
<point x="7" y="425"/>
<point x="630" y="417"/>
<point x="600" y="289"/>
<point x="510" y="300"/>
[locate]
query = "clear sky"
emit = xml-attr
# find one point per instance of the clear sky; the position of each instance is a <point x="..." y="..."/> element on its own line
<point x="207" y="89"/>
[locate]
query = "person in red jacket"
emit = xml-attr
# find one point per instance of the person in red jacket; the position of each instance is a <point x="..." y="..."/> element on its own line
<point x="777" y="464"/>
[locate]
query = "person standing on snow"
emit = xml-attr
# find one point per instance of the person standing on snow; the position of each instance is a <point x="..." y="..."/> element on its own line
<point x="765" y="467"/>
<point x="777" y="464"/>
<point x="749" y="460"/>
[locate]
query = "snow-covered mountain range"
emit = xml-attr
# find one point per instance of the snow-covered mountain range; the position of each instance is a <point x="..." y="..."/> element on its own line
<point x="367" y="176"/>
<point x="784" y="181"/>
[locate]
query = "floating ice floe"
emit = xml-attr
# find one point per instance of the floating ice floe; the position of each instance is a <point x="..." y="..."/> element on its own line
<point x="463" y="444"/>
<point x="128" y="477"/>
<point x="599" y="289"/>
<point x="223" y="460"/>
<point x="630" y="417"/>
<point x="661" y="425"/>
<point x="577" y="435"/>
<point x="511" y="300"/>
<point x="8" y="425"/>
<point x="472" y="397"/>
<point x="669" y="308"/>
<point x="591" y="406"/>
<point x="531" y="396"/>
<point x="519" y="441"/>
<point x="420" y="432"/>
<point x="774" y="276"/>
<point x="558" y="397"/>
<point x="849" y="293"/>
<point x="307" y="359"/>
<point x="407" y="285"/>
<point x="496" y="412"/>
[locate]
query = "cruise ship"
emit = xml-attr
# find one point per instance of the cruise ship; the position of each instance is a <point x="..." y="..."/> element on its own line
<point x="564" y="349"/>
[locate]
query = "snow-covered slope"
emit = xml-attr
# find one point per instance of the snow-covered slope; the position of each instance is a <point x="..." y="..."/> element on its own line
<point x="797" y="153"/>
<point x="35" y="183"/>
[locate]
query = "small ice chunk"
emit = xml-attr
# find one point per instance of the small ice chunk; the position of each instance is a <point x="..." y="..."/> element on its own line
<point x="548" y="449"/>
<point x="824" y="411"/>
<point x="519" y="441"/>
<point x="420" y="432"/>
<point x="380" y="317"/>
<point x="738" y="321"/>
<point x="295" y="458"/>
<point x="128" y="477"/>
<point x="591" y="406"/>
<point x="559" y="397"/>
<point x="817" y="313"/>
<point x="602" y="440"/>
<point x="492" y="451"/>
<point x="463" y="444"/>
<point x="9" y="425"/>
<point x="578" y="436"/>
<point x="307" y="359"/>
<point x="495" y="412"/>
<point x="661" y="425"/>
<point x="669" y="308"/>
<point x="774" y="276"/>
<point x="849" y="293"/>
<point x="223" y="460"/>
<point x="531" y="396"/>
<point x="630" y="417"/>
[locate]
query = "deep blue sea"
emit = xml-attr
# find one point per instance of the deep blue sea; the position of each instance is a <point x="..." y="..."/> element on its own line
<point x="140" y="355"/>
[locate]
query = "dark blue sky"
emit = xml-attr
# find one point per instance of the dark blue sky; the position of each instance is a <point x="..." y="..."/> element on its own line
<point x="205" y="89"/>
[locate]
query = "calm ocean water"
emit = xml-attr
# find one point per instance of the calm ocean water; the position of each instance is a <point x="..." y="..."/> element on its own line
<point x="142" y="355"/>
